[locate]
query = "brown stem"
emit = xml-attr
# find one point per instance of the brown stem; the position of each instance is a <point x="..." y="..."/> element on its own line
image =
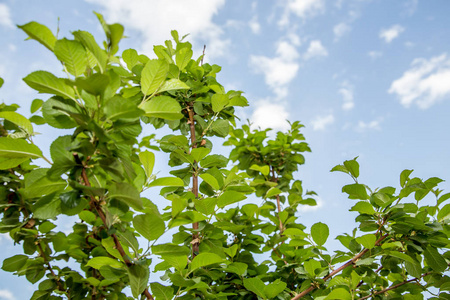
<point x="275" y="179"/>
<point x="95" y="205"/>
<point x="338" y="270"/>
<point x="392" y="287"/>
<point x="49" y="267"/>
<point x="195" y="236"/>
<point x="203" y="56"/>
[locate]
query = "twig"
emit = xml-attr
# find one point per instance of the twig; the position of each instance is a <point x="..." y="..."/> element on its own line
<point x="49" y="267"/>
<point x="348" y="263"/>
<point x="203" y="56"/>
<point x="94" y="205"/>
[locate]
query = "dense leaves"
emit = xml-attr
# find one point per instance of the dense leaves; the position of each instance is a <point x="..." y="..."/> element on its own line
<point x="221" y="227"/>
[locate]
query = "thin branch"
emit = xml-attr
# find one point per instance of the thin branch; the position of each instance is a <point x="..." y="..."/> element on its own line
<point x="195" y="237"/>
<point x="49" y="267"/>
<point x="338" y="270"/>
<point x="93" y="203"/>
<point x="392" y="287"/>
<point x="203" y="56"/>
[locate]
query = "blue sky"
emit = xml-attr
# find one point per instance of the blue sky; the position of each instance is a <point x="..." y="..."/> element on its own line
<point x="368" y="78"/>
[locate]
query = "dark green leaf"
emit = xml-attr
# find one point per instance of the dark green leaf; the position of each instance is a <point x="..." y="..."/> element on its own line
<point x="150" y="226"/>
<point x="14" y="263"/>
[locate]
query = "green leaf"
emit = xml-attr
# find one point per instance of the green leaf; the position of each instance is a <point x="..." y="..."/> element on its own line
<point x="340" y="168"/>
<point x="161" y="292"/>
<point x="319" y="233"/>
<point x="126" y="193"/>
<point x="205" y="259"/>
<point x="353" y="167"/>
<point x="434" y="259"/>
<point x="273" y="289"/>
<point x="100" y="261"/>
<point x="73" y="55"/>
<point x="263" y="169"/>
<point x="363" y="208"/>
<point x="40" y="33"/>
<point x="16" y="151"/>
<point x="229" y="197"/>
<point x="170" y="249"/>
<point x="118" y="108"/>
<point x="221" y="127"/>
<point x="402" y="256"/>
<point x="47" y="207"/>
<point x="163" y="107"/>
<point x="14" y="263"/>
<point x="130" y="57"/>
<point x="89" y="42"/>
<point x="214" y="160"/>
<point x="211" y="180"/>
<point x="311" y="266"/>
<point x="167" y="181"/>
<point x="153" y="75"/>
<point x="1" y="82"/>
<point x="94" y="84"/>
<point x="147" y="159"/>
<point x="35" y="105"/>
<point x="273" y="191"/>
<point x="55" y="111"/>
<point x="256" y="286"/>
<point x="46" y="227"/>
<point x="219" y="101"/>
<point x="138" y="276"/>
<point x="339" y="293"/>
<point x="172" y="85"/>
<point x="18" y="119"/>
<point x="367" y="240"/>
<point x="150" y="226"/>
<point x="356" y="191"/>
<point x="404" y="176"/>
<point x="47" y="83"/>
<point x="444" y="213"/>
<point x="183" y="56"/>
<point x="199" y="153"/>
<point x="414" y="269"/>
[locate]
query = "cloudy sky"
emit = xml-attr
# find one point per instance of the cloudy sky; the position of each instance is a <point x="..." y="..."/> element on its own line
<point x="368" y="78"/>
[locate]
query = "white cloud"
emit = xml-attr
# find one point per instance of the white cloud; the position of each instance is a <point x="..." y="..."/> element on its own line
<point x="315" y="49"/>
<point x="280" y="70"/>
<point x="155" y="19"/>
<point x="375" y="54"/>
<point x="346" y="92"/>
<point x="254" y="25"/>
<point x="411" y="6"/>
<point x="341" y="29"/>
<point x="5" y="16"/>
<point x="389" y="34"/>
<point x="363" y="126"/>
<point x="6" y="295"/>
<point x="425" y="83"/>
<point x="270" y="115"/>
<point x="320" y="122"/>
<point x="301" y="9"/>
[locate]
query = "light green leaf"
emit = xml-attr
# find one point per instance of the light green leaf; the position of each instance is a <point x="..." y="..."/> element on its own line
<point x="352" y="166"/>
<point x="167" y="181"/>
<point x="18" y="151"/>
<point x="356" y="191"/>
<point x="237" y="267"/>
<point x="367" y="240"/>
<point x="256" y="286"/>
<point x="211" y="180"/>
<point x="444" y="213"/>
<point x="40" y="33"/>
<point x="126" y="193"/>
<point x="402" y="256"/>
<point x="161" y="292"/>
<point x="320" y="233"/>
<point x="147" y="159"/>
<point x="363" y="208"/>
<point x="199" y="153"/>
<point x="170" y="249"/>
<point x="219" y="101"/>
<point x="18" y="119"/>
<point x="263" y="169"/>
<point x="130" y="57"/>
<point x="404" y="176"/>
<point x="214" y="160"/>
<point x="205" y="259"/>
<point x="35" y="105"/>
<point x="163" y="107"/>
<point x="153" y="75"/>
<point x="311" y="266"/>
<point x="73" y="55"/>
<point x="150" y="226"/>
<point x="273" y="191"/>
<point x="118" y="108"/>
<point x="173" y="84"/>
<point x="138" y="276"/>
<point x="100" y="261"/>
<point x="414" y="269"/>
<point x="89" y="42"/>
<point x="273" y="289"/>
<point x="339" y="293"/>
<point x="47" y="83"/>
<point x="183" y="56"/>
<point x="220" y="127"/>
<point x="229" y="197"/>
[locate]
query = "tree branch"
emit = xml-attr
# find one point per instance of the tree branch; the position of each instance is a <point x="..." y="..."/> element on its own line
<point x="49" y="267"/>
<point x="338" y="270"/>
<point x="93" y="203"/>
<point x="195" y="241"/>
